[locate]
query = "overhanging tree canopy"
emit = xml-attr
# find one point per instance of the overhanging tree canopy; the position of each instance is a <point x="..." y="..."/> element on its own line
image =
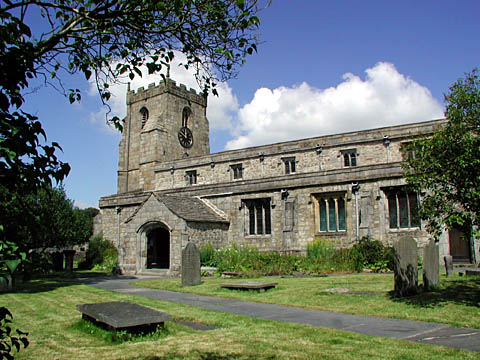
<point x="447" y="165"/>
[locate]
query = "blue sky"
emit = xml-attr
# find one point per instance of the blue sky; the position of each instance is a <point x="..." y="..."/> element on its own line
<point x="323" y="67"/>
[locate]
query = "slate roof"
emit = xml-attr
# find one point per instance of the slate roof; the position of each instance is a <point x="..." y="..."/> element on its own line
<point x="190" y="209"/>
<point x="187" y="208"/>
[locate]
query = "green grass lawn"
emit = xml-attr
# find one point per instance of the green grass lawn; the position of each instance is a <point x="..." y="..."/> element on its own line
<point x="47" y="310"/>
<point x="456" y="301"/>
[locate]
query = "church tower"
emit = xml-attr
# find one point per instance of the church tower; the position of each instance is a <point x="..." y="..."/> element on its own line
<point x="164" y="122"/>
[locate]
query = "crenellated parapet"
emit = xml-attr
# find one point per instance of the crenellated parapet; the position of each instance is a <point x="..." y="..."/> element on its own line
<point x="167" y="86"/>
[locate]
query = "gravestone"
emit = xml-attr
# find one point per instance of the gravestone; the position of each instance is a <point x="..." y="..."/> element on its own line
<point x="448" y="259"/>
<point x="57" y="259"/>
<point x="69" y="255"/>
<point x="430" y="265"/>
<point x="191" y="265"/>
<point x="406" y="267"/>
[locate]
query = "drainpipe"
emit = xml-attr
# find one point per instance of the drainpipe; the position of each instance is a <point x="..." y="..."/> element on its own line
<point x="120" y="252"/>
<point x="355" y="188"/>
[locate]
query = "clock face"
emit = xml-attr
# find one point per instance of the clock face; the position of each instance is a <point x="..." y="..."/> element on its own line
<point x="185" y="137"/>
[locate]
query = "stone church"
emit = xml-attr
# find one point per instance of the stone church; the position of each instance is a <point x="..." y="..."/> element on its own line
<point x="279" y="197"/>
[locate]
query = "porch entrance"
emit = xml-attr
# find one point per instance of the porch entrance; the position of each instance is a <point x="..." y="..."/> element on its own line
<point x="158" y="248"/>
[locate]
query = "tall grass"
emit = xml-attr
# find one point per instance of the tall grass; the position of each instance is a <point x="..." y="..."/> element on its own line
<point x="322" y="257"/>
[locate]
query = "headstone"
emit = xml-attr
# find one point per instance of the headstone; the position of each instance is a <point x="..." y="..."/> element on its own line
<point x="430" y="265"/>
<point x="448" y="259"/>
<point x="191" y="265"/>
<point x="406" y="267"/>
<point x="69" y="255"/>
<point x="57" y="258"/>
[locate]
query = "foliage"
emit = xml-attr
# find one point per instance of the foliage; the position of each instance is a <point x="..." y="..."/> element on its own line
<point x="373" y="255"/>
<point x="49" y="221"/>
<point x="447" y="165"/>
<point x="323" y="257"/>
<point x="119" y="336"/>
<point x="8" y="341"/>
<point x="58" y="222"/>
<point x="207" y="255"/>
<point x="101" y="255"/>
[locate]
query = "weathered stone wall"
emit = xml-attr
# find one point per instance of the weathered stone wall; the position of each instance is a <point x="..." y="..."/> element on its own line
<point x="156" y="140"/>
<point x="311" y="155"/>
<point x="204" y="233"/>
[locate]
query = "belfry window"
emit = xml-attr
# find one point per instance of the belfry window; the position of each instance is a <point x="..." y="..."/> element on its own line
<point x="191" y="177"/>
<point x="186" y="115"/>
<point x="144" y="115"/>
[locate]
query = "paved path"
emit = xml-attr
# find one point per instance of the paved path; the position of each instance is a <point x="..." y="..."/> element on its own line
<point x="423" y="332"/>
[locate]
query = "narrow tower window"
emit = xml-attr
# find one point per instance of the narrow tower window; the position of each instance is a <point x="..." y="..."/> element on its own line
<point x="144" y="115"/>
<point x="185" y="116"/>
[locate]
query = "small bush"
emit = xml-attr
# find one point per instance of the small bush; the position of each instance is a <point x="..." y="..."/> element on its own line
<point x="207" y="255"/>
<point x="101" y="255"/>
<point x="371" y="254"/>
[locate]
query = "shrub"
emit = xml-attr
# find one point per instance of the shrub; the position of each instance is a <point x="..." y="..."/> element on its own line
<point x="371" y="254"/>
<point x="8" y="341"/>
<point x="207" y="255"/>
<point x="241" y="259"/>
<point x="101" y="255"/>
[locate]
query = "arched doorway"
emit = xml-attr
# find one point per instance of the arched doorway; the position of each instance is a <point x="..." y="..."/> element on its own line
<point x="158" y="248"/>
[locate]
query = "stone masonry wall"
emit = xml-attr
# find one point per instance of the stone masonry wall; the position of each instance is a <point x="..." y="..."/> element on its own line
<point x="311" y="155"/>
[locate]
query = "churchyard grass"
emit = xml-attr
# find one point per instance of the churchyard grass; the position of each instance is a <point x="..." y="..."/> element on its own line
<point x="455" y="302"/>
<point x="47" y="310"/>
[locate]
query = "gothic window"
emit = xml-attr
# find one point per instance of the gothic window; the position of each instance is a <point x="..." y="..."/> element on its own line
<point x="402" y="209"/>
<point x="186" y="115"/>
<point x="289" y="165"/>
<point x="332" y="213"/>
<point x="144" y="116"/>
<point x="349" y="157"/>
<point x="191" y="177"/>
<point x="237" y="171"/>
<point x="258" y="219"/>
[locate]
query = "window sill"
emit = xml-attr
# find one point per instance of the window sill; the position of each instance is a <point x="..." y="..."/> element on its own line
<point x="258" y="236"/>
<point x="401" y="230"/>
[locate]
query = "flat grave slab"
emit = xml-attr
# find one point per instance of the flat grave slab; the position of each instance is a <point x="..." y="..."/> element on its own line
<point x="249" y="285"/>
<point x="122" y="315"/>
<point x="472" y="272"/>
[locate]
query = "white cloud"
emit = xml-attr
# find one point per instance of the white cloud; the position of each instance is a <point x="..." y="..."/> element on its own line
<point x="384" y="98"/>
<point x="82" y="204"/>
<point x="220" y="111"/>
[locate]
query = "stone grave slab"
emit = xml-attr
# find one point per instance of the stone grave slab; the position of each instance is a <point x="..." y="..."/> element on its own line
<point x="430" y="265"/>
<point x="122" y="315"/>
<point x="249" y="285"/>
<point x="191" y="274"/>
<point x="448" y="259"/>
<point x="472" y="272"/>
<point x="406" y="267"/>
